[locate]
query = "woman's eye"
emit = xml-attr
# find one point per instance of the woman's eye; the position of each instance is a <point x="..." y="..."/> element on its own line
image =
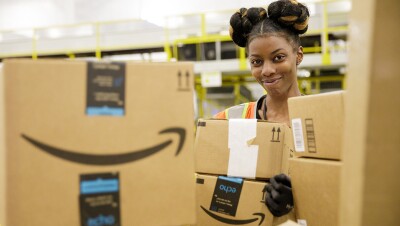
<point x="255" y="62"/>
<point x="279" y="58"/>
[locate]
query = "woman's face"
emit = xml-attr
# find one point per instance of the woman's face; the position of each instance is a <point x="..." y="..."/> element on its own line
<point x="274" y="64"/>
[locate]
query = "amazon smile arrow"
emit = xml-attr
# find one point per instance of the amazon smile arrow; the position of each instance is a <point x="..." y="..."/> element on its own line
<point x="235" y="222"/>
<point x="93" y="159"/>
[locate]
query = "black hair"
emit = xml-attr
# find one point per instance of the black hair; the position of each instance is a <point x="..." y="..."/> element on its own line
<point x="285" y="18"/>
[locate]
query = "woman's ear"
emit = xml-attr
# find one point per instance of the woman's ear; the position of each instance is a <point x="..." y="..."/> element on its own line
<point x="299" y="53"/>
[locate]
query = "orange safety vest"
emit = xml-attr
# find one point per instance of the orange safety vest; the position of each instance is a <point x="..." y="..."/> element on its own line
<point x="246" y="110"/>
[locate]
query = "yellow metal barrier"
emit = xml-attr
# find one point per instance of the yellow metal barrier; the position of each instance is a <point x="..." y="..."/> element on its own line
<point x="98" y="50"/>
<point x="202" y="38"/>
<point x="326" y="58"/>
<point x="34" y="45"/>
<point x="308" y="85"/>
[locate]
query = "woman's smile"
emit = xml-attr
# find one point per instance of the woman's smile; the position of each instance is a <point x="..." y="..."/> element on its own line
<point x="269" y="82"/>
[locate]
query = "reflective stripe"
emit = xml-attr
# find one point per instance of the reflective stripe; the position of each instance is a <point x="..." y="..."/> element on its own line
<point x="244" y="112"/>
<point x="227" y="113"/>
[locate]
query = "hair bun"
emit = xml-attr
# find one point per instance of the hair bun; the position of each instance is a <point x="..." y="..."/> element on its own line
<point x="290" y="13"/>
<point x="242" y="23"/>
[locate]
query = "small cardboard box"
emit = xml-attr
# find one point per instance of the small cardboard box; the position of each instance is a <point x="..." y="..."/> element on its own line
<point x="316" y="186"/>
<point x="317" y="124"/>
<point x="239" y="147"/>
<point x="230" y="201"/>
<point x="99" y="143"/>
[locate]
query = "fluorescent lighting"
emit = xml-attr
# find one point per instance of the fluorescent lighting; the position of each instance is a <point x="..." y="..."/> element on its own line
<point x="53" y="33"/>
<point x="303" y="73"/>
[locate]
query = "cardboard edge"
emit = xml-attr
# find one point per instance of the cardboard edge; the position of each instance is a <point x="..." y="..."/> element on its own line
<point x="2" y="150"/>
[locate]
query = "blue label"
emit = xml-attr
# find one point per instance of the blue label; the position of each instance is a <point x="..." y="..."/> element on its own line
<point x="99" y="186"/>
<point x="232" y="179"/>
<point x="104" y="111"/>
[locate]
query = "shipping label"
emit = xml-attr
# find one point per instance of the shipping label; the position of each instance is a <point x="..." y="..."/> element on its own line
<point x="99" y="199"/>
<point x="105" y="89"/>
<point x="226" y="195"/>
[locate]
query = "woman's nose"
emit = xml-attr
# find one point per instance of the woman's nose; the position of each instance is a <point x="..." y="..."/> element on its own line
<point x="268" y="69"/>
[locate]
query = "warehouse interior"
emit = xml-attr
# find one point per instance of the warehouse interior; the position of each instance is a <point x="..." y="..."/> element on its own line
<point x="141" y="32"/>
<point x="349" y="55"/>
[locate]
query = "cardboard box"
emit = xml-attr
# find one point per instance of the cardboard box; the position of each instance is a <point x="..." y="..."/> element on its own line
<point x="371" y="149"/>
<point x="230" y="201"/>
<point x="2" y="152"/>
<point x="96" y="143"/>
<point x="317" y="124"/>
<point x="216" y="202"/>
<point x="239" y="147"/>
<point x="316" y="186"/>
<point x="288" y="151"/>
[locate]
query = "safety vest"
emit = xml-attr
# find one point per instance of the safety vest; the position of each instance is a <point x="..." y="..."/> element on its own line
<point x="246" y="110"/>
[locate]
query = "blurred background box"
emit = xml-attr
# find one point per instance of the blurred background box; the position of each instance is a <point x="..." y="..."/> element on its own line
<point x="97" y="142"/>
<point x="371" y="156"/>
<point x="2" y="151"/>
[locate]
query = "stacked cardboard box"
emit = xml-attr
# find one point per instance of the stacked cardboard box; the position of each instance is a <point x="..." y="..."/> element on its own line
<point x="233" y="160"/>
<point x="99" y="143"/>
<point x="317" y="126"/>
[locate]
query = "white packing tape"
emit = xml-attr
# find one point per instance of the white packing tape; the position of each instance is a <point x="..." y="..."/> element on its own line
<point x="242" y="156"/>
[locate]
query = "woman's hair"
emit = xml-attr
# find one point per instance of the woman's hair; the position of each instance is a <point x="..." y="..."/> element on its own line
<point x="285" y="18"/>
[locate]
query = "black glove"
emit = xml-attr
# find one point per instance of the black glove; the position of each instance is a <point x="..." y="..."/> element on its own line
<point x="279" y="197"/>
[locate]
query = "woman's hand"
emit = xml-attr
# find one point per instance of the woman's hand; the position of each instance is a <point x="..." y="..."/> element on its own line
<point x="279" y="197"/>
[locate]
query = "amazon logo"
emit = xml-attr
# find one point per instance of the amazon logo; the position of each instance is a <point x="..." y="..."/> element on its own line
<point x="235" y="222"/>
<point x="93" y="159"/>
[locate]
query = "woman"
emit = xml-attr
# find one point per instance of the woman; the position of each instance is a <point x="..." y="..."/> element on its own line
<point x="271" y="38"/>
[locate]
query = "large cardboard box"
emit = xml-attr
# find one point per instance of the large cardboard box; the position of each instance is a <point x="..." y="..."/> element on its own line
<point x="316" y="190"/>
<point x="96" y="143"/>
<point x="239" y="147"/>
<point x="231" y="201"/>
<point x="371" y="149"/>
<point x="317" y="124"/>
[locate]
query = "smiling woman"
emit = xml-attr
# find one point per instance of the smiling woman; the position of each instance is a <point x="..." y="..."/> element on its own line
<point x="271" y="38"/>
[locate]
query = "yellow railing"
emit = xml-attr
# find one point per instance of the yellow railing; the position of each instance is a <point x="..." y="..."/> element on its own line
<point x="167" y="42"/>
<point x="307" y="85"/>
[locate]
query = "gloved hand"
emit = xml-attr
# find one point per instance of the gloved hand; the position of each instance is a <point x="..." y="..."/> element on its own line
<point x="279" y="197"/>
